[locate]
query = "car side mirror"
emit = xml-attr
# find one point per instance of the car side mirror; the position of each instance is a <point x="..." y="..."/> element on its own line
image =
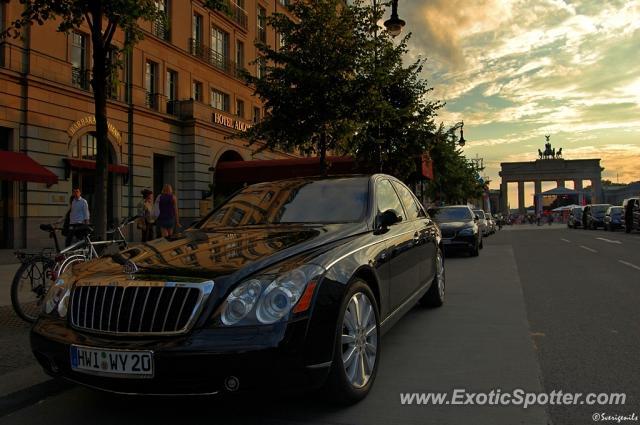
<point x="476" y="218"/>
<point x="388" y="218"/>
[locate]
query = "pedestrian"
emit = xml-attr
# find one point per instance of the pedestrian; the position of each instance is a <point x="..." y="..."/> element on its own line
<point x="78" y="215"/>
<point x="168" y="217"/>
<point x="146" y="218"/>
<point x="628" y="215"/>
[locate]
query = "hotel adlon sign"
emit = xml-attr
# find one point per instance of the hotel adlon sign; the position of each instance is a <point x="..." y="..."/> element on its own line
<point x="89" y="121"/>
<point x="229" y="122"/>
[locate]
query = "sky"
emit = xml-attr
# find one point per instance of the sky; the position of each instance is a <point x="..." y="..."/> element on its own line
<point x="517" y="70"/>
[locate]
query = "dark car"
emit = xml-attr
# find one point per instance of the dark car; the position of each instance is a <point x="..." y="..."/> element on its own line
<point x="613" y="218"/>
<point x="459" y="227"/>
<point x="594" y="214"/>
<point x="575" y="218"/>
<point x="287" y="284"/>
<point x="631" y="214"/>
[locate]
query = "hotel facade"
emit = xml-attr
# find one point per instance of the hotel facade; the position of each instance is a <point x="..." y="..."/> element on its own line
<point x="173" y="106"/>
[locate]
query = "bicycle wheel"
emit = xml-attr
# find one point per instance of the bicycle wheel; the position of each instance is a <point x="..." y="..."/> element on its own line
<point x="30" y="284"/>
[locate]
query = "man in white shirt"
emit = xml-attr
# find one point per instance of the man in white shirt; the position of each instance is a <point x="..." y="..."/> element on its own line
<point x="78" y="215"/>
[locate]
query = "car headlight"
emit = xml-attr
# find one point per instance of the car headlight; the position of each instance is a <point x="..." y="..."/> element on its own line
<point x="467" y="231"/>
<point x="57" y="298"/>
<point x="267" y="299"/>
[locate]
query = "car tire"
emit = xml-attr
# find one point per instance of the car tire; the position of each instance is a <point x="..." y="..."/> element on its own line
<point x="436" y="294"/>
<point x="475" y="251"/>
<point x="481" y="243"/>
<point x="339" y="387"/>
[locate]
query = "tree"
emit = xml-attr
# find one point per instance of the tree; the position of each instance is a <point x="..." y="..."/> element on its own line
<point x="455" y="179"/>
<point x="396" y="117"/>
<point x="308" y="82"/>
<point x="103" y="18"/>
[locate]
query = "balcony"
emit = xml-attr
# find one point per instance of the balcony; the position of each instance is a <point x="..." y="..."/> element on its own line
<point x="152" y="100"/>
<point x="214" y="58"/>
<point x="236" y="13"/>
<point x="160" y="28"/>
<point x="81" y="78"/>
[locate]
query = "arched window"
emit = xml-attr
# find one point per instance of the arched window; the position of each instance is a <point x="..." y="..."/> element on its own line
<point x="86" y="148"/>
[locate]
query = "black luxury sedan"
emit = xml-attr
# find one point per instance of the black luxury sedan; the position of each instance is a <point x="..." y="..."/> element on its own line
<point x="459" y="226"/>
<point x="287" y="284"/>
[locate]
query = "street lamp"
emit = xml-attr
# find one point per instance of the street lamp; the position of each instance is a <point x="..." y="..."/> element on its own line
<point x="394" y="25"/>
<point x="461" y="142"/>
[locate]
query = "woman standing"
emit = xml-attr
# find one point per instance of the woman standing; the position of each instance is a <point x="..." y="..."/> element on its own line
<point x="145" y="211"/>
<point x="168" y="206"/>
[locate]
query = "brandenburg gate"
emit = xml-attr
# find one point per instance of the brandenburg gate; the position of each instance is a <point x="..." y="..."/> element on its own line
<point x="550" y="166"/>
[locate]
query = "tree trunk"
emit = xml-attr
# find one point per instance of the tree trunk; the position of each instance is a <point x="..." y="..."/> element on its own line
<point x="99" y="84"/>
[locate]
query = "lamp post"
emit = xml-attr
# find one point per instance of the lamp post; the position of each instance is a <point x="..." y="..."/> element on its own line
<point x="394" y="27"/>
<point x="460" y="125"/>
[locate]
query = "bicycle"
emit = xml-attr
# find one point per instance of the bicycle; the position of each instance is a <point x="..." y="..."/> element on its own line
<point x="39" y="270"/>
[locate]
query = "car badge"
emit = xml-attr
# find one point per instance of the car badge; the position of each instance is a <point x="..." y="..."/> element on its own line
<point x="130" y="268"/>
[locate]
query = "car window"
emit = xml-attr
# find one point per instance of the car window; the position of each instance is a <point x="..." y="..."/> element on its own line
<point x="409" y="202"/>
<point x="339" y="200"/>
<point x="451" y="214"/>
<point x="387" y="198"/>
<point x="479" y="213"/>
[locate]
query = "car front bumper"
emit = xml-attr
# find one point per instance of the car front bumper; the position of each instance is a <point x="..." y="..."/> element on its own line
<point x="206" y="361"/>
<point x="459" y="242"/>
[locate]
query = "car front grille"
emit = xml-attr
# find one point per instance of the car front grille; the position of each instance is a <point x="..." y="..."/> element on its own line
<point x="165" y="308"/>
<point x="448" y="233"/>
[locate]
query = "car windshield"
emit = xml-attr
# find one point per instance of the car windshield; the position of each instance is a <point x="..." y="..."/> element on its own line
<point x="599" y="209"/>
<point x="480" y="213"/>
<point x="339" y="200"/>
<point x="450" y="214"/>
<point x="576" y="211"/>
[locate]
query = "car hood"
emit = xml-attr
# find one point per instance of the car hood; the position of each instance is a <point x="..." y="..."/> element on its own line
<point x="221" y="253"/>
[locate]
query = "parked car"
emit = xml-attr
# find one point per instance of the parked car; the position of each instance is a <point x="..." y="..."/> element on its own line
<point x="459" y="227"/>
<point x="286" y="284"/>
<point x="491" y="221"/>
<point x="594" y="214"/>
<point x="613" y="218"/>
<point x="634" y="219"/>
<point x="483" y="223"/>
<point x="575" y="218"/>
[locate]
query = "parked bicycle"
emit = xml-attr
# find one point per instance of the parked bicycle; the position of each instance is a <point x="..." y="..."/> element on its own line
<point x="40" y="269"/>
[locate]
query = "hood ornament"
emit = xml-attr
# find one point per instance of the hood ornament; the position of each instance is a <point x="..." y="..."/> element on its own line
<point x="130" y="268"/>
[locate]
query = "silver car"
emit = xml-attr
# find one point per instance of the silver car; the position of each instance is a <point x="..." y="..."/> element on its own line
<point x="483" y="223"/>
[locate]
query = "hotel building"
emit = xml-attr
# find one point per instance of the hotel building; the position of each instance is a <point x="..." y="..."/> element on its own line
<point x="173" y="106"/>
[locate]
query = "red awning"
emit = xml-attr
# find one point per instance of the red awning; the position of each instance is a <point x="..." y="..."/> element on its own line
<point x="276" y="169"/>
<point x="84" y="164"/>
<point x="16" y="166"/>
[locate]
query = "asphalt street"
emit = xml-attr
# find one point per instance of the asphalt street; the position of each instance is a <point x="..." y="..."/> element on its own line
<point x="541" y="309"/>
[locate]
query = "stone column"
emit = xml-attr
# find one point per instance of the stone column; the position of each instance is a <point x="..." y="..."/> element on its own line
<point x="504" y="196"/>
<point x="560" y="183"/>
<point x="538" y="186"/>
<point x="521" y="206"/>
<point x="596" y="191"/>
<point x="577" y="184"/>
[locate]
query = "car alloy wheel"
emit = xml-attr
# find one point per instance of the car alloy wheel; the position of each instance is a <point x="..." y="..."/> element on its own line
<point x="359" y="340"/>
<point x="440" y="280"/>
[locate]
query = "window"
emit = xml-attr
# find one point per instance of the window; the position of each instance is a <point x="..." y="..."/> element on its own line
<point x="240" y="54"/>
<point x="87" y="147"/>
<point x="240" y="108"/>
<point x="219" y="48"/>
<point x="281" y="40"/>
<point x="196" y="91"/>
<point x="196" y="28"/>
<point x="160" y="27"/>
<point x="284" y="2"/>
<point x="260" y="68"/>
<point x="113" y="57"/>
<point x="410" y="205"/>
<point x="387" y="198"/>
<point x="219" y="100"/>
<point x="151" y="83"/>
<point x="262" y="24"/>
<point x="171" y="91"/>
<point x="79" y="73"/>
<point x="256" y="115"/>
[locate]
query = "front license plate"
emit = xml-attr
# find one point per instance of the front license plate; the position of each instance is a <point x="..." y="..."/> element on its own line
<point x="116" y="363"/>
